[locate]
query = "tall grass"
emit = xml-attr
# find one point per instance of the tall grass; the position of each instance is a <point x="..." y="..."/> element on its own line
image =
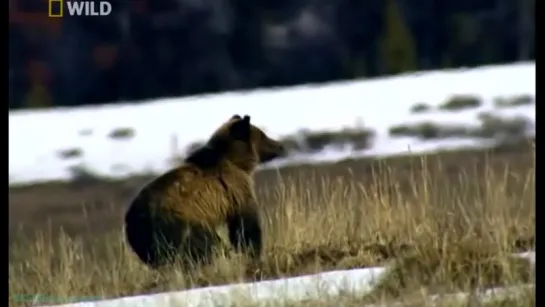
<point x="443" y="230"/>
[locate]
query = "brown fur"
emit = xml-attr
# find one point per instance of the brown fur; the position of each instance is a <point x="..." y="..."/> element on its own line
<point x="213" y="186"/>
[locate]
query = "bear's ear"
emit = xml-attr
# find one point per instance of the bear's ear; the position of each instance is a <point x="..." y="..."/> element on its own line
<point x="236" y="116"/>
<point x="241" y="129"/>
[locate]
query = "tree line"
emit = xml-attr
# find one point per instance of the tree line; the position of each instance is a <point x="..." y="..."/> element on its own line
<point x="149" y="49"/>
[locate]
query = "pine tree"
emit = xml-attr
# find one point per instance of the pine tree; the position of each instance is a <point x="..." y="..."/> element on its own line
<point x="397" y="47"/>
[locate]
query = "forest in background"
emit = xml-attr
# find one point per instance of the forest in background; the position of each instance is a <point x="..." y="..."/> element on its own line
<point x="150" y="49"/>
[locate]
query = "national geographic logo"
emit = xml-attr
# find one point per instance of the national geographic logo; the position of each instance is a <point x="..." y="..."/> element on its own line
<point x="79" y="8"/>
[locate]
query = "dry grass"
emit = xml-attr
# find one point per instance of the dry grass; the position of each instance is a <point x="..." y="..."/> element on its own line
<point x="447" y="221"/>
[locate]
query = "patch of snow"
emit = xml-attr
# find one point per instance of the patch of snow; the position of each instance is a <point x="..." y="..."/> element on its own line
<point x="383" y="147"/>
<point x="531" y="256"/>
<point x="290" y="289"/>
<point x="166" y="126"/>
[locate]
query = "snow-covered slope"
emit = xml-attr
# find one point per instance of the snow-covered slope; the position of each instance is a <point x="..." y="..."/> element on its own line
<point x="165" y="126"/>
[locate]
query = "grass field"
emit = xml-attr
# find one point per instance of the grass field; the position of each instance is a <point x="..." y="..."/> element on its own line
<point x="447" y="221"/>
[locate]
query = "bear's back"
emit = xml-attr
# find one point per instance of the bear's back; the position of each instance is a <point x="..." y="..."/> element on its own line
<point x="190" y="193"/>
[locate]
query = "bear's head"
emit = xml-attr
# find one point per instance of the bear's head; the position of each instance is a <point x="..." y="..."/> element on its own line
<point x="245" y="144"/>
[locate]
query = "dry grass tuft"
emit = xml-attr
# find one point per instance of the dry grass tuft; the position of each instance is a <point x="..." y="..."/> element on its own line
<point x="447" y="222"/>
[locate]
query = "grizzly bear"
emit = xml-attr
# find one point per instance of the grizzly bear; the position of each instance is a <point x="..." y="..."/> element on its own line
<point x="176" y="215"/>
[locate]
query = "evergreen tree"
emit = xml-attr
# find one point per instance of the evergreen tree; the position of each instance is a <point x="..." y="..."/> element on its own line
<point x="397" y="47"/>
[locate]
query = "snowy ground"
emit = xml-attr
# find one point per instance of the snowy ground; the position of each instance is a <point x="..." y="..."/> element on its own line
<point x="166" y="126"/>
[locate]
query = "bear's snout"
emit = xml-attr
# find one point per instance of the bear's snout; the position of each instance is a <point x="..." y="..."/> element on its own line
<point x="273" y="150"/>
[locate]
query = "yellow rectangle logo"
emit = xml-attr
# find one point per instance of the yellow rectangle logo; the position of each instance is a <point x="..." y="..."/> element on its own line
<point x="55" y="8"/>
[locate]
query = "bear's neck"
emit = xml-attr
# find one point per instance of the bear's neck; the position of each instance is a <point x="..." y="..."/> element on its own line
<point x="208" y="157"/>
<point x="246" y="164"/>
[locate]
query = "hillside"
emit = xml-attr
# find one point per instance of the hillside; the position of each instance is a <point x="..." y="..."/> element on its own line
<point x="445" y="218"/>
